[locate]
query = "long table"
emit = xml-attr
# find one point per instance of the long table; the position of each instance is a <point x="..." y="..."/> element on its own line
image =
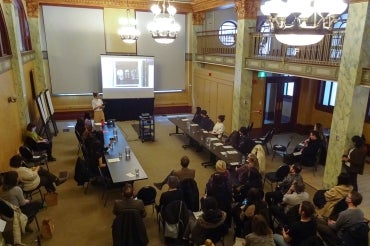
<point x="121" y="169"/>
<point x="208" y="141"/>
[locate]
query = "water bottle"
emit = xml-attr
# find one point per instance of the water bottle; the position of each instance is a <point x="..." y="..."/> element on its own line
<point x="243" y="159"/>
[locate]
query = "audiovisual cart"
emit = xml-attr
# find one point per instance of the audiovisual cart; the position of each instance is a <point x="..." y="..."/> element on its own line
<point x="146" y="127"/>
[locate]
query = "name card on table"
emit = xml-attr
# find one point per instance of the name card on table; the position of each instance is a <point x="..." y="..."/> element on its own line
<point x="194" y="124"/>
<point x="234" y="163"/>
<point x="130" y="175"/>
<point x="232" y="152"/>
<point x="113" y="160"/>
<point x="228" y="147"/>
<point x="185" y="119"/>
<point x="213" y="139"/>
<point x="218" y="144"/>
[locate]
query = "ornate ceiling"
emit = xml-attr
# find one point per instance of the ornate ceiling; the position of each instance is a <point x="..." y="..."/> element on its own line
<point x="183" y="6"/>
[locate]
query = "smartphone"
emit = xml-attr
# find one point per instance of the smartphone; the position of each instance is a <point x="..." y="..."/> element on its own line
<point x="245" y="201"/>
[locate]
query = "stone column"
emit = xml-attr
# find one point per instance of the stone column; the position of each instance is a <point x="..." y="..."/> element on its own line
<point x="16" y="62"/>
<point x="247" y="13"/>
<point x="198" y="19"/>
<point x="34" y="25"/>
<point x="351" y="101"/>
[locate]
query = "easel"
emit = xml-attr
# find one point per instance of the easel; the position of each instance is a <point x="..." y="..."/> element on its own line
<point x="50" y="107"/>
<point x="44" y="117"/>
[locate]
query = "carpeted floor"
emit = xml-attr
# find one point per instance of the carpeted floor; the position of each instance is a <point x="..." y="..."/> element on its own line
<point x="81" y="219"/>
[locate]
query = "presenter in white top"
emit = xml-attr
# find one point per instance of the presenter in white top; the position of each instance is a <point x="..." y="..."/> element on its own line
<point x="98" y="106"/>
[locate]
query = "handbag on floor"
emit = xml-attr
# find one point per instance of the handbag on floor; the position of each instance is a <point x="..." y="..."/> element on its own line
<point x="51" y="198"/>
<point x="47" y="229"/>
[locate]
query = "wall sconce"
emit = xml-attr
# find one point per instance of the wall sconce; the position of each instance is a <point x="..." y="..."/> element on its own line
<point x="12" y="99"/>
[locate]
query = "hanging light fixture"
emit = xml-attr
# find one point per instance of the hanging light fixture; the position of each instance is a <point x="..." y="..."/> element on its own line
<point x="302" y="22"/>
<point x="164" y="28"/>
<point x="128" y="32"/>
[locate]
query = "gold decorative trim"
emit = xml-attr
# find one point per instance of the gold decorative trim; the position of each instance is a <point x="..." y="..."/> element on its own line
<point x="198" y="18"/>
<point x="246" y="9"/>
<point x="33" y="5"/>
<point x="203" y="5"/>
<point x="358" y="1"/>
<point x="7" y="1"/>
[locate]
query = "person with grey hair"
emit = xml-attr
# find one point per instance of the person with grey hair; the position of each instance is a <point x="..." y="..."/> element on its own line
<point x="173" y="193"/>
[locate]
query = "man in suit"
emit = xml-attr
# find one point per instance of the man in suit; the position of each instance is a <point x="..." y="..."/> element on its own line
<point x="183" y="173"/>
<point x="128" y="202"/>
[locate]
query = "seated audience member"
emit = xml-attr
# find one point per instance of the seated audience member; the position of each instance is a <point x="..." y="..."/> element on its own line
<point x="259" y="151"/>
<point x="307" y="155"/>
<point x="183" y="173"/>
<point x="248" y="176"/>
<point x="243" y="214"/>
<point x="197" y="117"/>
<point x="261" y="234"/>
<point x="219" y="187"/>
<point x="39" y="143"/>
<point x="333" y="231"/>
<point x="80" y="126"/>
<point x="206" y="123"/>
<point x="96" y="158"/>
<point x="219" y="127"/>
<point x="87" y="119"/>
<point x="301" y="230"/>
<point x="13" y="194"/>
<point x="210" y="224"/>
<point x="354" y="162"/>
<point x="173" y="193"/>
<point x="246" y="144"/>
<point x="294" y="196"/>
<point x="276" y="196"/>
<point x="334" y="195"/>
<point x="128" y="202"/>
<point x="34" y="177"/>
<point x="233" y="139"/>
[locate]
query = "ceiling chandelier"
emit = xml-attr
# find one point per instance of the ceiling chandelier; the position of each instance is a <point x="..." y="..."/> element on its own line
<point x="164" y="28"/>
<point x="302" y="22"/>
<point x="128" y="32"/>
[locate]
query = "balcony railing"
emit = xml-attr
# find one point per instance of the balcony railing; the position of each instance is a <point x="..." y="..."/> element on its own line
<point x="265" y="46"/>
<point x="212" y="43"/>
<point x="326" y="52"/>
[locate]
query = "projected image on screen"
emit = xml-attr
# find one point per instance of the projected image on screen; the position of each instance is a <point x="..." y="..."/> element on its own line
<point x="127" y="76"/>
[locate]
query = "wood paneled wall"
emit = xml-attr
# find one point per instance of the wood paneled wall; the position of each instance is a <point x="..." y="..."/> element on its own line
<point x="213" y="91"/>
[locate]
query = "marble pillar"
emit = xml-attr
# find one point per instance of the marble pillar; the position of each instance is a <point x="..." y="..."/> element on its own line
<point x="198" y="19"/>
<point x="16" y="62"/>
<point x="351" y="99"/>
<point x="247" y="12"/>
<point x="39" y="70"/>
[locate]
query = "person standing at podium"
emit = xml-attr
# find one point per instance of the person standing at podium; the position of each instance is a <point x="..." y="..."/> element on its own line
<point x="98" y="106"/>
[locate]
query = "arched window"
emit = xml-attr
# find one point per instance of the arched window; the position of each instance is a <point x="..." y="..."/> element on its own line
<point x="5" y="49"/>
<point x="227" y="33"/>
<point x="23" y="31"/>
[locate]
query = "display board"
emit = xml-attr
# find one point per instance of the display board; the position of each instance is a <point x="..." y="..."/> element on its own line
<point x="43" y="112"/>
<point x="49" y="102"/>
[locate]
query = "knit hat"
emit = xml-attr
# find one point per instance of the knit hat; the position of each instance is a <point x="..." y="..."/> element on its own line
<point x="221" y="166"/>
<point x="173" y="181"/>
